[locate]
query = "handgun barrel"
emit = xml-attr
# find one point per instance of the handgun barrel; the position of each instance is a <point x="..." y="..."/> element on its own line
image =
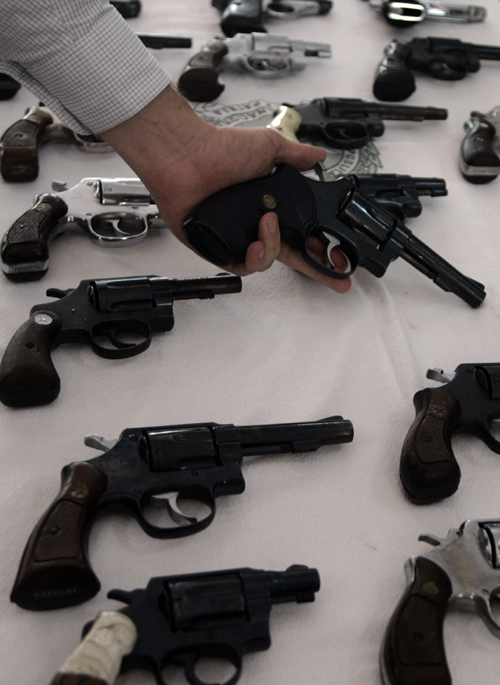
<point x="298" y="584"/>
<point x="293" y="437"/>
<point x="197" y="288"/>
<point x="157" y="42"/>
<point x="487" y="51"/>
<point x="442" y="273"/>
<point x="435" y="187"/>
<point x="411" y="113"/>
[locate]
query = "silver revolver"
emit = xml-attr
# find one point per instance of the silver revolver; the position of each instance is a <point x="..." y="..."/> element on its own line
<point x="480" y="149"/>
<point x="462" y="570"/>
<point x="263" y="55"/>
<point x="113" y="212"/>
<point x="407" y="13"/>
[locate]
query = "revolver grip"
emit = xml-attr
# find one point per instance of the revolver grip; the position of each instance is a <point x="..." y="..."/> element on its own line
<point x="413" y="647"/>
<point x="19" y="145"/>
<point x="478" y="151"/>
<point x="199" y="81"/>
<point x="55" y="570"/>
<point x="394" y="81"/>
<point x="222" y="227"/>
<point x="27" y="374"/>
<point x="428" y="468"/>
<point x="242" y="17"/>
<point x="24" y="249"/>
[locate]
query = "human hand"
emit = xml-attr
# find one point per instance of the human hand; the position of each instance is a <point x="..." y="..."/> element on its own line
<point x="183" y="160"/>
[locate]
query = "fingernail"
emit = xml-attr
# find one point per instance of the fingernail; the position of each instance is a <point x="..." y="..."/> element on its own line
<point x="261" y="254"/>
<point x="272" y="224"/>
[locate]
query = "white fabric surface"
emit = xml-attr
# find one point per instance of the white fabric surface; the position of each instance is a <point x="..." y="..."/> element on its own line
<point x="285" y="349"/>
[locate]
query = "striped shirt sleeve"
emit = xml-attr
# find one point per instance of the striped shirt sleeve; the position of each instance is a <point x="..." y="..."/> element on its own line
<point x="80" y="58"/>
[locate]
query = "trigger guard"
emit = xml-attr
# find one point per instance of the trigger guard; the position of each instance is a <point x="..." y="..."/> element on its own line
<point x="231" y="656"/>
<point x="123" y="350"/>
<point x="270" y="70"/>
<point x="446" y="72"/>
<point x="350" y="142"/>
<point x="330" y="237"/>
<point x="119" y="236"/>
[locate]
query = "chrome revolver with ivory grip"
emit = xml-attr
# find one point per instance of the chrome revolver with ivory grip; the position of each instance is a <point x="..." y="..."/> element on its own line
<point x="247" y="16"/>
<point x="480" y="150"/>
<point x="336" y="212"/>
<point x="344" y="123"/>
<point x="463" y="571"/>
<point x="263" y="55"/>
<point x="112" y="212"/>
<point x="178" y="620"/>
<point x="406" y="13"/>
<point x="468" y="403"/>
<point x="158" y="468"/>
<point x="20" y="143"/>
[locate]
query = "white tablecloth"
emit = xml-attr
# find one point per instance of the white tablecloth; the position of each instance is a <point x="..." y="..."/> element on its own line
<point x="285" y="349"/>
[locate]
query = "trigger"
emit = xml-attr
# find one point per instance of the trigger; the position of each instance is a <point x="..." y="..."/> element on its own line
<point x="116" y="342"/>
<point x="333" y="242"/>
<point x="169" y="499"/>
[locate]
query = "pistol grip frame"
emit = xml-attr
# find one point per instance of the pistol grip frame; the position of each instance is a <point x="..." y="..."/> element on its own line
<point x="55" y="570"/>
<point x="428" y="469"/>
<point x="413" y="647"/>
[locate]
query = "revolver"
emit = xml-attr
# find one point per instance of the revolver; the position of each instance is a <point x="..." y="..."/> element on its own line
<point x="182" y="619"/>
<point x="113" y="212"/>
<point x="479" y="153"/>
<point x="462" y="570"/>
<point x="406" y="13"/>
<point x="448" y="59"/>
<point x="468" y="403"/>
<point x="20" y="142"/>
<point x="263" y="55"/>
<point x="247" y="16"/>
<point x="336" y="212"/>
<point x="147" y="469"/>
<point x="8" y="87"/>
<point x="115" y="316"/>
<point x="344" y="123"/>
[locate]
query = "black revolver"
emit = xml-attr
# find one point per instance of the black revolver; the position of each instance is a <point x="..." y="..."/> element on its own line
<point x="8" y="87"/>
<point x="246" y="16"/>
<point x="397" y="193"/>
<point x="448" y="59"/>
<point x="479" y="153"/>
<point x="127" y="8"/>
<point x="344" y="123"/>
<point x="145" y="468"/>
<point x="467" y="404"/>
<point x="336" y="212"/>
<point x="463" y="570"/>
<point x="102" y="313"/>
<point x="181" y="619"/>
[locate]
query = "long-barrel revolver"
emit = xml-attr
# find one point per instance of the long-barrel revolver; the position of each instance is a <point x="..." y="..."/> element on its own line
<point x="336" y="212"/>
<point x="468" y="403"/>
<point x="344" y="123"/>
<point x="263" y="55"/>
<point x="162" y="468"/>
<point x="115" y="316"/>
<point x="447" y="59"/>
<point x="112" y="212"/>
<point x="480" y="150"/>
<point x="247" y="16"/>
<point x="463" y="571"/>
<point x="178" y="620"/>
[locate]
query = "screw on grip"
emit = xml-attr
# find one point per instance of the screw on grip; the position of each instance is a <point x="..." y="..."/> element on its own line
<point x="413" y="647"/>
